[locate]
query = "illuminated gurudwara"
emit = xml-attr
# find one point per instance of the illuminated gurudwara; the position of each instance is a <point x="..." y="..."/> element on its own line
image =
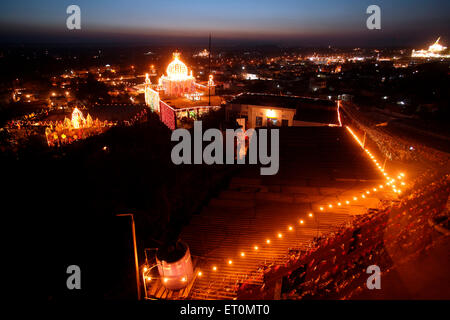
<point x="74" y="128"/>
<point x="436" y="50"/>
<point x="177" y="82"/>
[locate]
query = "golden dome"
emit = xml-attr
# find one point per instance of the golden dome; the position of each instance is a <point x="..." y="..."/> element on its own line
<point x="177" y="70"/>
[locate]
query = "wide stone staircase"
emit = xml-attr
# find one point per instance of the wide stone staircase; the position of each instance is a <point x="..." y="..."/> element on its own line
<point x="259" y="219"/>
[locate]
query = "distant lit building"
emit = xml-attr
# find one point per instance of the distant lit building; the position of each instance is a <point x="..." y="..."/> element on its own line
<point x="202" y="54"/>
<point x="316" y="84"/>
<point x="177" y="82"/>
<point x="348" y="97"/>
<point x="436" y="50"/>
<point x="261" y="110"/>
<point x="251" y="76"/>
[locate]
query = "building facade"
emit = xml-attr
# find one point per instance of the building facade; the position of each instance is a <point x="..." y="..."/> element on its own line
<point x="261" y="116"/>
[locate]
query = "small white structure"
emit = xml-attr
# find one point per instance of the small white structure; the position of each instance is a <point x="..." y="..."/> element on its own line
<point x="175" y="266"/>
<point x="261" y="116"/>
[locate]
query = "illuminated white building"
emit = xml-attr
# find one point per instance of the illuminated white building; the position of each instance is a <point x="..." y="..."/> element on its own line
<point x="151" y="96"/>
<point x="177" y="82"/>
<point x="436" y="50"/>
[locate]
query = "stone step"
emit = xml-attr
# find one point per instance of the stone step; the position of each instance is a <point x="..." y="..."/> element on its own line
<point x="217" y="202"/>
<point x="246" y="181"/>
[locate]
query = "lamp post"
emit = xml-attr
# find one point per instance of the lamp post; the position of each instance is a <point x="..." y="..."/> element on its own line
<point x="209" y="70"/>
<point x="133" y="230"/>
<point x="317" y="223"/>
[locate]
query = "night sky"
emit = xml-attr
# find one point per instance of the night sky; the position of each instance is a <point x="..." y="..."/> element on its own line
<point x="290" y="22"/>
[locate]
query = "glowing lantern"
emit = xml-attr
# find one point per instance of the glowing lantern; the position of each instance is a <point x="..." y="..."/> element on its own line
<point x="271" y="114"/>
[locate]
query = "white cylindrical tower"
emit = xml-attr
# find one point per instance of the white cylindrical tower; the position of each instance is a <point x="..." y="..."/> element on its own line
<point x="175" y="265"/>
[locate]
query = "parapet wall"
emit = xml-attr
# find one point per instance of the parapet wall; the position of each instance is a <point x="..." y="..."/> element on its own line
<point x="395" y="148"/>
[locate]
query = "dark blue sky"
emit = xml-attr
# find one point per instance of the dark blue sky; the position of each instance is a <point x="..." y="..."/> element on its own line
<point x="301" y="22"/>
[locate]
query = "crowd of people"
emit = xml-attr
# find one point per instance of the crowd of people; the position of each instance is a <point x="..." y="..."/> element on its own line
<point x="334" y="266"/>
<point x="30" y="119"/>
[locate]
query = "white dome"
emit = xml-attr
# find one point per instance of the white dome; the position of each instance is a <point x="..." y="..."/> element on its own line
<point x="177" y="70"/>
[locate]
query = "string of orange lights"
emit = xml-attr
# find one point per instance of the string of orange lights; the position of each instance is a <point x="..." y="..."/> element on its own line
<point x="390" y="182"/>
